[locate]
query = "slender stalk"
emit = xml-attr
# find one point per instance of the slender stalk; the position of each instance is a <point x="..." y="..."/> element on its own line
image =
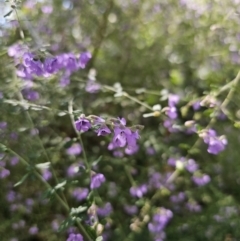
<point x="70" y="110"/>
<point x="48" y="186"/>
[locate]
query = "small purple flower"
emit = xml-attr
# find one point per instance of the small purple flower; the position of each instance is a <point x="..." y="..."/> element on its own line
<point x="193" y="207"/>
<point x="82" y="124"/>
<point x="201" y="180"/>
<point x="103" y="131"/>
<point x="160" y="221"/>
<point x="92" y="86"/>
<point x="105" y="211"/>
<point x="84" y="58"/>
<point x="73" y="170"/>
<point x="4" y="173"/>
<point x="80" y="194"/>
<point x="172" y="112"/>
<point x="138" y="191"/>
<point x="173" y="100"/>
<point x="33" y="230"/>
<point x="191" y="165"/>
<point x="47" y="175"/>
<point x="132" y="150"/>
<point x="75" y="149"/>
<point x="215" y="143"/>
<point x="178" y="197"/>
<point x="196" y="105"/>
<point x="75" y="237"/>
<point x="130" y="209"/>
<point x="97" y="180"/>
<point x="47" y="9"/>
<point x="3" y="125"/>
<point x="51" y="65"/>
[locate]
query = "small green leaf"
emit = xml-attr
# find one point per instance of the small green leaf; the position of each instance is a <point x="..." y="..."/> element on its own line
<point x="60" y="185"/>
<point x="22" y="180"/>
<point x="8" y="14"/>
<point x="97" y="161"/>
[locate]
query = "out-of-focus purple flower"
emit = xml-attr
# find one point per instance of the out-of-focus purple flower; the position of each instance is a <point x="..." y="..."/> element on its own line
<point x="3" y="125"/>
<point x="33" y="230"/>
<point x="4" y="172"/>
<point x="160" y="220"/>
<point x="215" y="143"/>
<point x="105" y="211"/>
<point x="64" y="81"/>
<point x="150" y="151"/>
<point x="11" y="196"/>
<point x="155" y="180"/>
<point x="47" y="9"/>
<point x="191" y="165"/>
<point x="75" y="149"/>
<point x="178" y="197"/>
<point x="82" y="124"/>
<point x="75" y="237"/>
<point x="14" y="136"/>
<point x="31" y="94"/>
<point x="196" y="105"/>
<point x="35" y="66"/>
<point x="172" y="112"/>
<point x="92" y="86"/>
<point x="103" y="130"/>
<point x="80" y="193"/>
<point x="1" y="95"/>
<point x="47" y="175"/>
<point x="201" y="180"/>
<point x="173" y="100"/>
<point x="130" y="209"/>
<point x="83" y="59"/>
<point x="132" y="150"/>
<point x="51" y="65"/>
<point x="193" y="207"/>
<point x="73" y="170"/>
<point x="97" y="180"/>
<point x="118" y="153"/>
<point x="138" y="191"/>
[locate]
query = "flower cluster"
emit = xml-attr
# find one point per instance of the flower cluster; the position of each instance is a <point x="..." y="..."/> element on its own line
<point x="123" y="136"/>
<point x="216" y="144"/>
<point x="159" y="222"/>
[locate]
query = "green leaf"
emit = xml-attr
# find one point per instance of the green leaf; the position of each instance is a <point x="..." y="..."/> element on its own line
<point x="8" y="14"/>
<point x="22" y="180"/>
<point x="60" y="185"/>
<point x="97" y="161"/>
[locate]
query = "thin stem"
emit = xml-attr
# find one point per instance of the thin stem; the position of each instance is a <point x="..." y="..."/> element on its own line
<point x="48" y="186"/>
<point x="129" y="175"/>
<point x="70" y="110"/>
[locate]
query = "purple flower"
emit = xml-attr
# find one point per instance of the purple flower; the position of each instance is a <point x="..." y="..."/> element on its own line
<point x="130" y="209"/>
<point x="131" y="150"/>
<point x="178" y="197"/>
<point x="193" y="207"/>
<point x="82" y="124"/>
<point x="172" y="112"/>
<point x="92" y="86"/>
<point x="201" y="180"/>
<point x="80" y="193"/>
<point x="33" y="230"/>
<point x="160" y="221"/>
<point x="47" y="9"/>
<point x="103" y="131"/>
<point x="47" y="175"/>
<point x="215" y="143"/>
<point x="191" y="165"/>
<point x="51" y="65"/>
<point x="75" y="237"/>
<point x="75" y="149"/>
<point x="4" y="173"/>
<point x="173" y="100"/>
<point x="105" y="211"/>
<point x="3" y="125"/>
<point x="35" y="66"/>
<point x="73" y="170"/>
<point x="138" y="191"/>
<point x="196" y="105"/>
<point x="84" y="58"/>
<point x="97" y="180"/>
